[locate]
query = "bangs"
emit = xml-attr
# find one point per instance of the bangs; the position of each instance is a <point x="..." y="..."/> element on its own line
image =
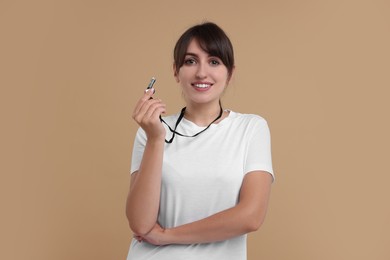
<point x="210" y="46"/>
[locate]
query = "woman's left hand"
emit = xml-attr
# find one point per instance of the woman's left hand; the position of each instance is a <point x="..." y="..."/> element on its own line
<point x="157" y="236"/>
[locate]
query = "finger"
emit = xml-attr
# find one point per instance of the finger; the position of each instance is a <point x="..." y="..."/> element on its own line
<point x="150" y="89"/>
<point x="155" y="110"/>
<point x="138" y="238"/>
<point x="158" y="112"/>
<point x="148" y="104"/>
<point x="146" y="96"/>
<point x="144" y="105"/>
<point x="147" y="109"/>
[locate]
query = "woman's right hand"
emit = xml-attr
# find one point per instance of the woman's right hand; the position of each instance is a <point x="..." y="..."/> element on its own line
<point x="147" y="115"/>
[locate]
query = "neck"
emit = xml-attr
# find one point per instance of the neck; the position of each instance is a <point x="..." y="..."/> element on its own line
<point x="202" y="115"/>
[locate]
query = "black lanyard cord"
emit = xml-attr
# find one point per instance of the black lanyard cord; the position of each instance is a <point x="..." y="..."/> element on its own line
<point x="180" y="118"/>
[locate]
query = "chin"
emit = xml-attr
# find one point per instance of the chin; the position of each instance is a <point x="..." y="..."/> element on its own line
<point x="199" y="101"/>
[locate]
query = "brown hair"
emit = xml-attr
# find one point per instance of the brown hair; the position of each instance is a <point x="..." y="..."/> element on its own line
<point x="211" y="38"/>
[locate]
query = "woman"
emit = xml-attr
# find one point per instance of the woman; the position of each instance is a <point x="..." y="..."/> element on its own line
<point x="201" y="179"/>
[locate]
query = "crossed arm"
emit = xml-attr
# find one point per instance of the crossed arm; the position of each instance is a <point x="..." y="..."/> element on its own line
<point x="245" y="217"/>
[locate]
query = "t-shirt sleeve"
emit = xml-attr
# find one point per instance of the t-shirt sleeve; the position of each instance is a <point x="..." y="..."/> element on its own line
<point x="138" y="150"/>
<point x="258" y="154"/>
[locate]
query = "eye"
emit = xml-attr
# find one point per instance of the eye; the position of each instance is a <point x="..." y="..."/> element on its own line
<point x="189" y="61"/>
<point x="215" y="62"/>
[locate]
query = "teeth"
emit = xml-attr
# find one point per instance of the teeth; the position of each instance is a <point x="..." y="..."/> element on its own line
<point x="202" y="85"/>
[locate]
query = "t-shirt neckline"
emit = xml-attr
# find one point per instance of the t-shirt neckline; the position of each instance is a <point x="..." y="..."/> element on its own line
<point x="191" y="124"/>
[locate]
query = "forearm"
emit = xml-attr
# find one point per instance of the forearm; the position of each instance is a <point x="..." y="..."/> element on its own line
<point x="247" y="216"/>
<point x="224" y="225"/>
<point x="144" y="195"/>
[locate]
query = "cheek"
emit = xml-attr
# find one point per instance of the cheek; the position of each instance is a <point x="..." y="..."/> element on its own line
<point x="223" y="77"/>
<point x="182" y="75"/>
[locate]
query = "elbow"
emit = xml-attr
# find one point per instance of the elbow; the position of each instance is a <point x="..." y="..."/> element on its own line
<point x="252" y="226"/>
<point x="139" y="227"/>
<point x="253" y="223"/>
<point x="139" y="230"/>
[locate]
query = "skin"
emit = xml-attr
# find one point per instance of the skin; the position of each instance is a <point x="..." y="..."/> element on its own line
<point x="199" y="67"/>
<point x="144" y="194"/>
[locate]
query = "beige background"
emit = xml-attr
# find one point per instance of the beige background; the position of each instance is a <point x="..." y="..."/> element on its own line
<point x="71" y="71"/>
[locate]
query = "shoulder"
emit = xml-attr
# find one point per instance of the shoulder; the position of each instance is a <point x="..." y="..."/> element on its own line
<point x="248" y="119"/>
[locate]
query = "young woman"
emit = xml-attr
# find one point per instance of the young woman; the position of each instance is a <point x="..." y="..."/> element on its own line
<point x="201" y="178"/>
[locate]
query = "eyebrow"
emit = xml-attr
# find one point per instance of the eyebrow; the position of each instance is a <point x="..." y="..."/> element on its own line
<point x="196" y="55"/>
<point x="191" y="54"/>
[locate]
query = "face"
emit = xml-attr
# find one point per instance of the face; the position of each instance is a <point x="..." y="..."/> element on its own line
<point x="202" y="77"/>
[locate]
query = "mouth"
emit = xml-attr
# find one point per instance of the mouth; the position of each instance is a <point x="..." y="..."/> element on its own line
<point x="202" y="86"/>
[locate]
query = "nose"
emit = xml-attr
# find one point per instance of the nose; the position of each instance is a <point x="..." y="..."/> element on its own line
<point x="201" y="71"/>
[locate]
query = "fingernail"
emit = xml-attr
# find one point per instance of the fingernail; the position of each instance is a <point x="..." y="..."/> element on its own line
<point x="148" y="89"/>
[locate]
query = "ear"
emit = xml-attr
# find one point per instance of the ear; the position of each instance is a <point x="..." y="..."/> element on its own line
<point x="175" y="73"/>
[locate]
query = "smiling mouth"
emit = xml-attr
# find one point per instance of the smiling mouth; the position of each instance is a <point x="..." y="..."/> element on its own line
<point x="202" y="86"/>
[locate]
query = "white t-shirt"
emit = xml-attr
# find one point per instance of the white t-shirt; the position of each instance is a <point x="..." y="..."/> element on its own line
<point x="202" y="176"/>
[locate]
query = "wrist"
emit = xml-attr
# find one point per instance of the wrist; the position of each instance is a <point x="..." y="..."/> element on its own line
<point x="155" y="140"/>
<point x="170" y="236"/>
